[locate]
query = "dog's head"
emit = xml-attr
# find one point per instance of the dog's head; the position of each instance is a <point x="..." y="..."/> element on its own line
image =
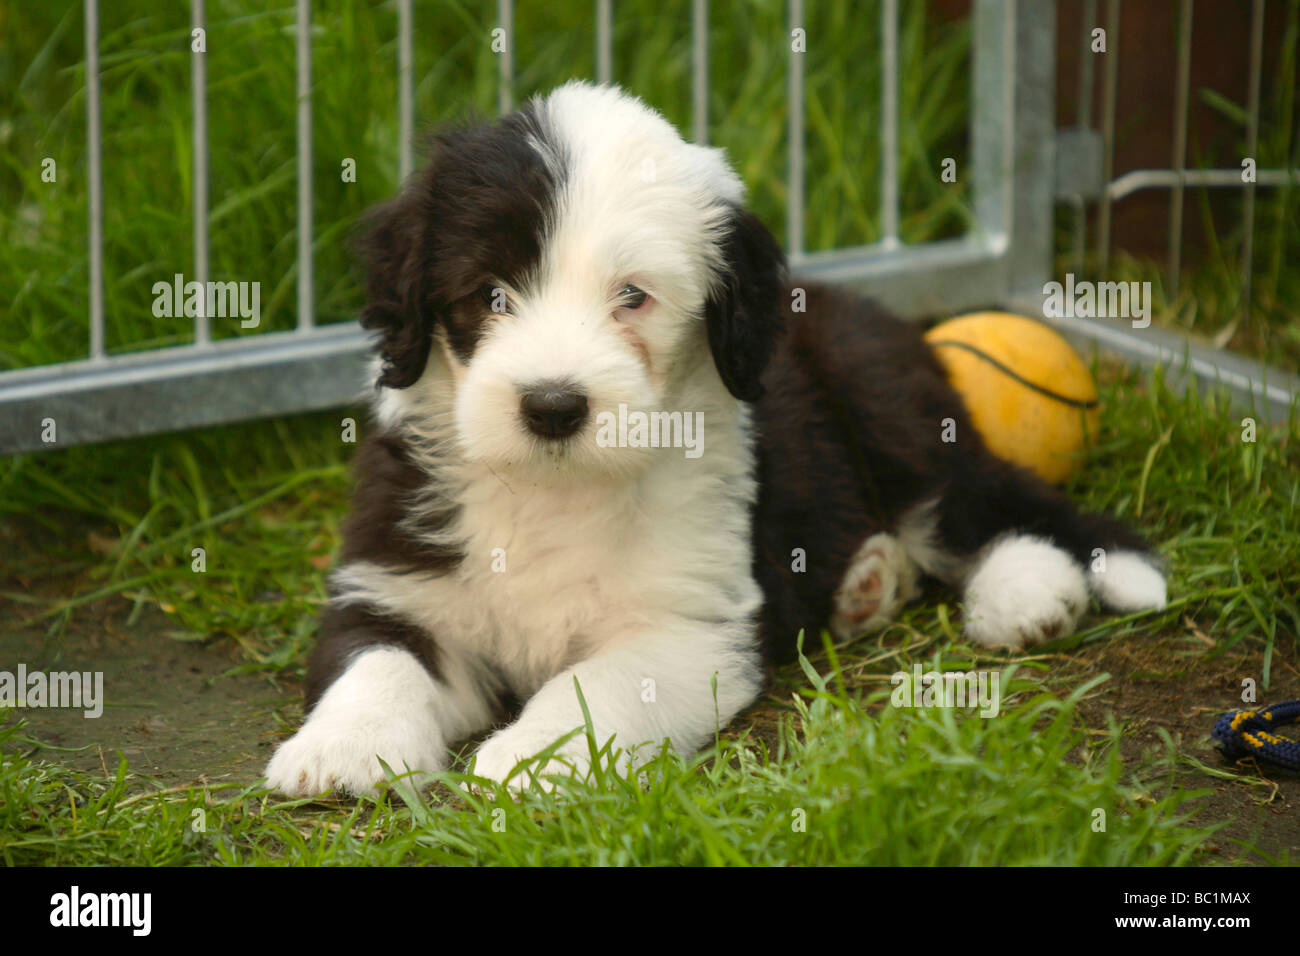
<point x="572" y="257"/>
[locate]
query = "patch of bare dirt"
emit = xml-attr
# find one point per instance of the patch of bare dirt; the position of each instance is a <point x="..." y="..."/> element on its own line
<point x="1180" y="683"/>
<point x="167" y="708"/>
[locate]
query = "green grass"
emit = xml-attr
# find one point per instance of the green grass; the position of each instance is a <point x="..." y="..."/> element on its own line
<point x="1224" y="511"/>
<point x="848" y="785"/>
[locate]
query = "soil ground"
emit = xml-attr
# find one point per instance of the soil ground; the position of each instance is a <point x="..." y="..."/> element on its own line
<point x="1181" y="683"/>
<point x="168" y="708"/>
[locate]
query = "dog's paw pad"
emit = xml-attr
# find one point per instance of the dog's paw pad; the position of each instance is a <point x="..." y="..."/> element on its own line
<point x="879" y="580"/>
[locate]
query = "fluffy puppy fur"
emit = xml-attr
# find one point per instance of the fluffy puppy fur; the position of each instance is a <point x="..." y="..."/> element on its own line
<point x="543" y="271"/>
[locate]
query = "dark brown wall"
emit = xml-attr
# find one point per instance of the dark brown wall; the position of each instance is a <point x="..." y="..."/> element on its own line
<point x="1144" y="125"/>
<point x="1146" y="103"/>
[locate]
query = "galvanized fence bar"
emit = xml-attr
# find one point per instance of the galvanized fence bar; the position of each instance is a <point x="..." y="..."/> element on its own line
<point x="1083" y="121"/>
<point x="1182" y="95"/>
<point x="1083" y="104"/>
<point x="95" y="186"/>
<point x="889" y="123"/>
<point x="162" y="390"/>
<point x="1108" y="95"/>
<point x="992" y="123"/>
<point x="305" y="290"/>
<point x="1140" y="179"/>
<point x="1252" y="147"/>
<point x="604" y="41"/>
<point x="199" y="136"/>
<point x="794" y="99"/>
<point x="405" y="88"/>
<point x="1009" y="247"/>
<point x="1030" y="153"/>
<point x="506" y="79"/>
<point x="1266" y="391"/>
<point x="700" y="68"/>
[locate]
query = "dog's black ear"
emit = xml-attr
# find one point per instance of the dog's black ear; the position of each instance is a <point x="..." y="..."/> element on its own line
<point x="744" y="314"/>
<point x="393" y="251"/>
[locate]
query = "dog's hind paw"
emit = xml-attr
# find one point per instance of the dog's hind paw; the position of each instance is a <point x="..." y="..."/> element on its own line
<point x="1025" y="592"/>
<point x="1128" y="581"/>
<point x="880" y="579"/>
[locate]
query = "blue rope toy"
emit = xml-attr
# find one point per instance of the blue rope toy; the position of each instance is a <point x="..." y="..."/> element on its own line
<point x="1249" y="733"/>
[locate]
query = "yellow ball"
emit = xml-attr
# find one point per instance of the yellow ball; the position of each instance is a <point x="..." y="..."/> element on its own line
<point x="1029" y="394"/>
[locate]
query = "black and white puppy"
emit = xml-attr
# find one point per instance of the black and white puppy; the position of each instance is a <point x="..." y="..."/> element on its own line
<point x="607" y="449"/>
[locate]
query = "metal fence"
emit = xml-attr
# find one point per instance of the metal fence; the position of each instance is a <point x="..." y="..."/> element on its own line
<point x="1004" y="260"/>
<point x="1085" y="173"/>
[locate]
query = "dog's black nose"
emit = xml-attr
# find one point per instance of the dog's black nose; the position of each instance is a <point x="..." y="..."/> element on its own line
<point x="553" y="411"/>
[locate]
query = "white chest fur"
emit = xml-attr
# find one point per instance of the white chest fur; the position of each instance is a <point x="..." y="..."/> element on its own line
<point x="554" y="569"/>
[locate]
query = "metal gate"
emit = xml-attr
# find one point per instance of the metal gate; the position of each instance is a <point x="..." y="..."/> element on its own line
<point x="1004" y="260"/>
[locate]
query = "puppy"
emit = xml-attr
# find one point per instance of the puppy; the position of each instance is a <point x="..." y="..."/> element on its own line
<point x="614" y="451"/>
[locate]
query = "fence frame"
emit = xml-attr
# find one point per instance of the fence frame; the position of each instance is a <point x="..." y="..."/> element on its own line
<point x="1003" y="261"/>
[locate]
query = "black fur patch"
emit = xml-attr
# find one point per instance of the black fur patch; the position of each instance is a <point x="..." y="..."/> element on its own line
<point x="346" y="630"/>
<point x="744" y="316"/>
<point x="475" y="215"/>
<point x="378" y="528"/>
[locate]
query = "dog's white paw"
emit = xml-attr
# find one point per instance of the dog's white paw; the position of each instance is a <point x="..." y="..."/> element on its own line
<point x="1026" y="591"/>
<point x="499" y="757"/>
<point x="1130" y="582"/>
<point x="880" y="579"/>
<point x="380" y="707"/>
<point x="344" y="755"/>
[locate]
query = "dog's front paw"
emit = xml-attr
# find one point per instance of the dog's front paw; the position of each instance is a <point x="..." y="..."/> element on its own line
<point x="510" y="756"/>
<point x="381" y="707"/>
<point x="343" y="755"/>
<point x="1025" y="592"/>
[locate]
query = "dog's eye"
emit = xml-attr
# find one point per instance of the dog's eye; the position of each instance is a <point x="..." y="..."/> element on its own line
<point x="630" y="297"/>
<point x="491" y="295"/>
